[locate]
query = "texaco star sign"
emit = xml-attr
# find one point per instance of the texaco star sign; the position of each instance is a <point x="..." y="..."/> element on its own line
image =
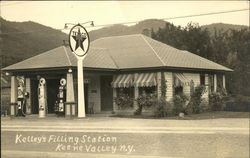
<point x="79" y="40"/>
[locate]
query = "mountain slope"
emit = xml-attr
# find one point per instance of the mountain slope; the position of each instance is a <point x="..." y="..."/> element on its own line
<point x="117" y="30"/>
<point x="146" y="26"/>
<point x="27" y="39"/>
<point x="21" y="40"/>
<point x="222" y="27"/>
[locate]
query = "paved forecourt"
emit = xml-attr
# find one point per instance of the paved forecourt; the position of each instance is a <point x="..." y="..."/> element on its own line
<point x="95" y="138"/>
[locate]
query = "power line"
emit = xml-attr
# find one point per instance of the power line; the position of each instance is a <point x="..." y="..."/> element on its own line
<point x="132" y="22"/>
<point x="204" y="14"/>
<point x="178" y="17"/>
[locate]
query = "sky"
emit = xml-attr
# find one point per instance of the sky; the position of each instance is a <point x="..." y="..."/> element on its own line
<point x="56" y="13"/>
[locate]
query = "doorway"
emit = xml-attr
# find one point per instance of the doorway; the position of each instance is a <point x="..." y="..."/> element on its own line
<point x="106" y="93"/>
<point x="34" y="96"/>
<point x="86" y="97"/>
<point x="52" y="91"/>
<point x="52" y="86"/>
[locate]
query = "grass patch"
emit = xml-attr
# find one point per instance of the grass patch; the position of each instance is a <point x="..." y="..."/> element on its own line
<point x="202" y="116"/>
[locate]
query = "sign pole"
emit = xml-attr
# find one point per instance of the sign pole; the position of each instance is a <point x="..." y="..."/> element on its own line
<point x="79" y="44"/>
<point x="80" y="80"/>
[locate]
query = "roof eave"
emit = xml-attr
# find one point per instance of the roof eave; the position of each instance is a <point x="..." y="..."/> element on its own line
<point x="176" y="68"/>
<point x="123" y="69"/>
<point x="56" y="68"/>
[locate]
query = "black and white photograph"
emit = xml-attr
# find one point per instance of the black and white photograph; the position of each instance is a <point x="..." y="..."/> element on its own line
<point x="125" y="79"/>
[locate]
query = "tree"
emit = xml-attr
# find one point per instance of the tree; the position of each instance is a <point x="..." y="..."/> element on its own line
<point x="229" y="48"/>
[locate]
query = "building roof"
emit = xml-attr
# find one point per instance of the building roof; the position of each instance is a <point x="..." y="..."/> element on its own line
<point x="121" y="53"/>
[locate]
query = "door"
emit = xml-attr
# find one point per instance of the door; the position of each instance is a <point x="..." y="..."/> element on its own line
<point x="52" y="91"/>
<point x="86" y="97"/>
<point x="106" y="93"/>
<point x="34" y="97"/>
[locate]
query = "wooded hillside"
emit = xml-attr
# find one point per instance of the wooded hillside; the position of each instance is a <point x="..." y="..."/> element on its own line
<point x="226" y="44"/>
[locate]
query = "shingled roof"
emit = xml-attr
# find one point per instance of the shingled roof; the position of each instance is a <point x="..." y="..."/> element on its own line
<point x="121" y="53"/>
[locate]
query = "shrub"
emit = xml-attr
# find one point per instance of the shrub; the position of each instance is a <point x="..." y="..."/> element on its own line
<point x="195" y="101"/>
<point x="162" y="108"/>
<point x="144" y="101"/>
<point x="204" y="107"/>
<point x="216" y="101"/>
<point x="222" y="91"/>
<point x="124" y="101"/>
<point x="179" y="103"/>
<point x="238" y="103"/>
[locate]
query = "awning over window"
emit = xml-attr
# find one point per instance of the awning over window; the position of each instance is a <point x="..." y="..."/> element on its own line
<point x="123" y="80"/>
<point x="180" y="80"/>
<point x="146" y="80"/>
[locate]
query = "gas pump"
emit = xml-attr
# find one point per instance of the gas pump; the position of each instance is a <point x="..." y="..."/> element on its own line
<point x="62" y="97"/>
<point x="20" y="96"/>
<point x="42" y="98"/>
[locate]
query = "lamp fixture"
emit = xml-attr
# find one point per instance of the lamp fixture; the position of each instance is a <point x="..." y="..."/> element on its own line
<point x="70" y="70"/>
<point x="66" y="24"/>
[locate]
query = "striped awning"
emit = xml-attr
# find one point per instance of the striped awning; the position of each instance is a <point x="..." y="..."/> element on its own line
<point x="146" y="80"/>
<point x="180" y="80"/>
<point x="123" y="80"/>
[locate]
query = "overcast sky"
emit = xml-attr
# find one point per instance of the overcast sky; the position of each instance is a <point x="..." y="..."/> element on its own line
<point x="55" y="14"/>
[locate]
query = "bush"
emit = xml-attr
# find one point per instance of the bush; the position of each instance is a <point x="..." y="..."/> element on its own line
<point x="162" y="108"/>
<point x="216" y="101"/>
<point x="222" y="91"/>
<point x="144" y="101"/>
<point x="204" y="107"/>
<point x="179" y="103"/>
<point x="238" y="103"/>
<point x="195" y="101"/>
<point x="124" y="101"/>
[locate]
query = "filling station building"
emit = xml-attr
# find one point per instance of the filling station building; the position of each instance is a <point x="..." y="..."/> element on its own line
<point x="129" y="64"/>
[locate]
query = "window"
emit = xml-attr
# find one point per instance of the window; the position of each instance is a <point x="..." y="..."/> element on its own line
<point x="211" y="83"/>
<point x="202" y="79"/>
<point x="126" y="91"/>
<point x="147" y="90"/>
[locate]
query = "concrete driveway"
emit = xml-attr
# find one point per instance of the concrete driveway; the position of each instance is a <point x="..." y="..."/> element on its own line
<point x="134" y="137"/>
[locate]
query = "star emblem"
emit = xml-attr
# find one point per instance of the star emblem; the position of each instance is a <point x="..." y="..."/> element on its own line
<point x="79" y="38"/>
